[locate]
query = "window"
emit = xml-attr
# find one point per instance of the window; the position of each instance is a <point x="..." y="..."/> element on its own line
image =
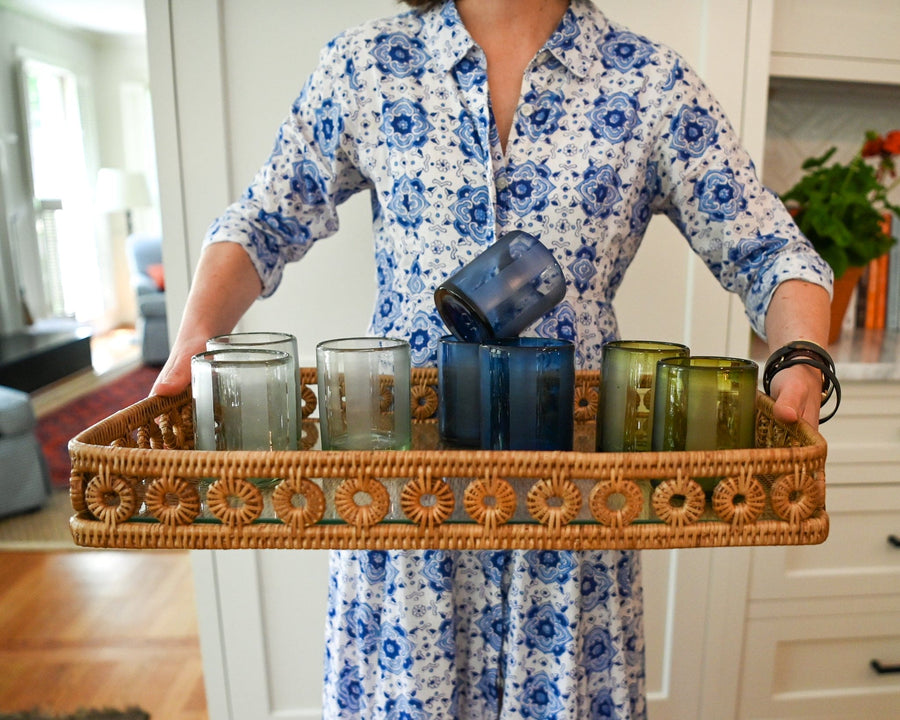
<point x="64" y="211"/>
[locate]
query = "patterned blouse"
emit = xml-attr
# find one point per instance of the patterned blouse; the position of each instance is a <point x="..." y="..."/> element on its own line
<point x="611" y="128"/>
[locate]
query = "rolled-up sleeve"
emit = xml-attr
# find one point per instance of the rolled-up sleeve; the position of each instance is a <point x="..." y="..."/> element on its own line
<point x="293" y="198"/>
<point x="710" y="189"/>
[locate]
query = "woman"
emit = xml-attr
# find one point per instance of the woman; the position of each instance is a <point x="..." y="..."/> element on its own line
<point x="465" y="120"/>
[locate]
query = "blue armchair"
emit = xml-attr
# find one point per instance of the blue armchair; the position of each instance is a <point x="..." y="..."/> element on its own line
<point x="147" y="280"/>
<point x="24" y="474"/>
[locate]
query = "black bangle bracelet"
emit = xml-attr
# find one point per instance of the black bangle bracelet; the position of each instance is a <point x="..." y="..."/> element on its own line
<point x="803" y="352"/>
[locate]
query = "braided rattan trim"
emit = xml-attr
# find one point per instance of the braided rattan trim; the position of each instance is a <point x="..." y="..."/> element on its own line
<point x="433" y="513"/>
<point x="449" y="536"/>
<point x="364" y="514"/>
<point x="604" y="491"/>
<point x="235" y="501"/>
<point x="110" y="498"/>
<point x="311" y="507"/>
<point x="173" y="501"/>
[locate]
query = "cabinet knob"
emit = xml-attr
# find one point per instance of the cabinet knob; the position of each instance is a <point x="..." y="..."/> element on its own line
<point x="883" y="669"/>
<point x="894" y="540"/>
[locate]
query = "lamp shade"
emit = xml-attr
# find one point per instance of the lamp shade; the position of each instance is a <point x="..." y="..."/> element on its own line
<point x="118" y="190"/>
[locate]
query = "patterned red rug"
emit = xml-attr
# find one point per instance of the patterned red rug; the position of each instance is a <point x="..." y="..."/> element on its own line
<point x="55" y="429"/>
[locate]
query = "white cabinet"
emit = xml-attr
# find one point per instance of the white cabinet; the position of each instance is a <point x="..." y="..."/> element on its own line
<point x="837" y="40"/>
<point x="820" y="617"/>
<point x="818" y="665"/>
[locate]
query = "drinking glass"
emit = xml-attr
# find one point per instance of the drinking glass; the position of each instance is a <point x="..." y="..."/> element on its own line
<point x="284" y="342"/>
<point x="705" y="403"/>
<point x="459" y="408"/>
<point x="527" y="394"/>
<point x="502" y="291"/>
<point x="364" y="400"/>
<point x="242" y="400"/>
<point x="628" y="374"/>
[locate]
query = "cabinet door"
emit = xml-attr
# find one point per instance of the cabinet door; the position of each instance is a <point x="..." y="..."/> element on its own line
<point x="837" y="40"/>
<point x="821" y="666"/>
<point x="225" y="76"/>
<point x="858" y="558"/>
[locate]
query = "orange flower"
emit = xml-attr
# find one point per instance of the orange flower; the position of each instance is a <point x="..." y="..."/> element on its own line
<point x="891" y="144"/>
<point x="873" y="147"/>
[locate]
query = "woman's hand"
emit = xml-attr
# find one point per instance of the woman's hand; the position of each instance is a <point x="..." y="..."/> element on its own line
<point x="798" y="311"/>
<point x="797" y="392"/>
<point x="175" y="375"/>
<point x="225" y="285"/>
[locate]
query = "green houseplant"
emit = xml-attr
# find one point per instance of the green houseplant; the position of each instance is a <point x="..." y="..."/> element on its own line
<point x="841" y="208"/>
<point x="844" y="210"/>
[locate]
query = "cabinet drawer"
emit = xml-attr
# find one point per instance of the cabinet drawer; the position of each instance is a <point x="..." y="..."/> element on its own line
<point x="864" y="437"/>
<point x="821" y="667"/>
<point x="857" y="559"/>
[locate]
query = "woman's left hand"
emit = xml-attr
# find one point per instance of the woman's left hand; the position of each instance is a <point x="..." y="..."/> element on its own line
<point x="797" y="392"/>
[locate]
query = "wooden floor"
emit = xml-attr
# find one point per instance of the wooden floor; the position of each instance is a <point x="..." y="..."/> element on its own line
<point x="100" y="629"/>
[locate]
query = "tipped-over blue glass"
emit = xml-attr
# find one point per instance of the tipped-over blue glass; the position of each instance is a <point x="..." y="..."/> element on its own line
<point x="513" y="283"/>
<point x="527" y="394"/>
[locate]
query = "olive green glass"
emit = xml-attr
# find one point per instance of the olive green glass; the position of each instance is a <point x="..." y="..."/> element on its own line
<point x="628" y="374"/>
<point x="705" y="403"/>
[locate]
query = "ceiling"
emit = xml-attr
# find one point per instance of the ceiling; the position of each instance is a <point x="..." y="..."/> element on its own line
<point x="119" y="17"/>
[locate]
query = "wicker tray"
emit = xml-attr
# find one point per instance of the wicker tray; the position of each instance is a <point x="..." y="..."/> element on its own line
<point x="136" y="482"/>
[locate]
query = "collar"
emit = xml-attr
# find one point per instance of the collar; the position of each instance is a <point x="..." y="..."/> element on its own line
<point x="574" y="43"/>
<point x="449" y="40"/>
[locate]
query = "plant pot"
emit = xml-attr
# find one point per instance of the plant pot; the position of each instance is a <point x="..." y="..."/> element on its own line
<point x="843" y="291"/>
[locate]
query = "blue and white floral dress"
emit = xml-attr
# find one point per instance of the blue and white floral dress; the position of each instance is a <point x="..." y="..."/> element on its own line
<point x="610" y="129"/>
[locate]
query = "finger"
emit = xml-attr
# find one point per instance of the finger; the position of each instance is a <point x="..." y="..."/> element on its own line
<point x="785" y="411"/>
<point x="172" y="379"/>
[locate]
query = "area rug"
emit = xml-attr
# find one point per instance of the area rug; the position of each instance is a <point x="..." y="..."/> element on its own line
<point x="129" y="714"/>
<point x="55" y="429"/>
<point x="44" y="530"/>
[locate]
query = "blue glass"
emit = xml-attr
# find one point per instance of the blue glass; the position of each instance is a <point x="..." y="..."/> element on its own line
<point x="459" y="409"/>
<point x="513" y="283"/>
<point x="527" y="394"/>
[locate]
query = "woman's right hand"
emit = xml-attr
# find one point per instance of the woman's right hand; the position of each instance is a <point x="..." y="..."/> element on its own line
<point x="175" y="375"/>
<point x="225" y="285"/>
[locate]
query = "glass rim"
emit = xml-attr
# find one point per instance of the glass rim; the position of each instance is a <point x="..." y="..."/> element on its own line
<point x="362" y="344"/>
<point x="252" y="338"/>
<point x="232" y="356"/>
<point x="449" y="291"/>
<point x="509" y="342"/>
<point x="644" y="345"/>
<point x="525" y="344"/>
<point x="710" y="363"/>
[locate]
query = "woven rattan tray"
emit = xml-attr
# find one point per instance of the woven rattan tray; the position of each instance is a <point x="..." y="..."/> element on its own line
<point x="136" y="482"/>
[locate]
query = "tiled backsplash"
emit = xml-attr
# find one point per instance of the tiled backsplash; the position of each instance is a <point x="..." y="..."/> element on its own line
<point x="807" y="117"/>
